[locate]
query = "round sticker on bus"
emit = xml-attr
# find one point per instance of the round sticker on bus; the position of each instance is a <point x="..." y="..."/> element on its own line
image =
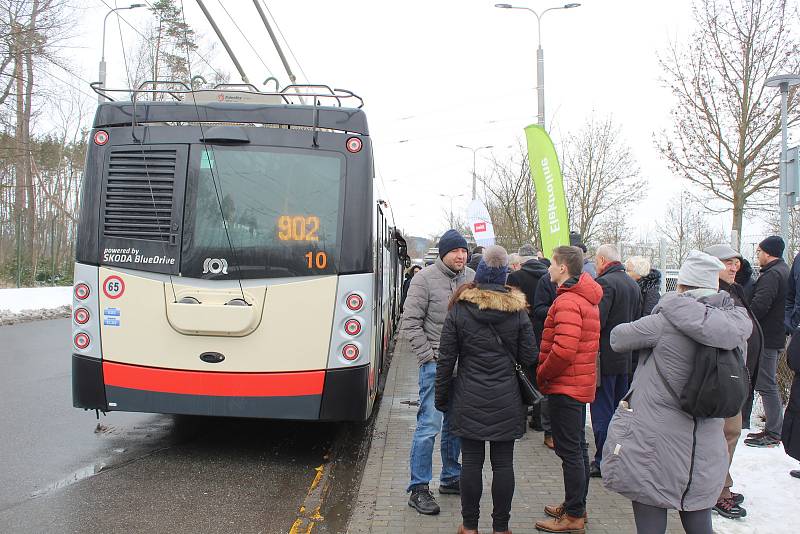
<point x="113" y="287"/>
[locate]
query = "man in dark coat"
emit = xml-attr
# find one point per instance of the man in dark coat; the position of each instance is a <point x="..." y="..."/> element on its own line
<point x="527" y="279"/>
<point x="475" y="257"/>
<point x="790" y="434"/>
<point x="768" y="304"/>
<point x="621" y="303"/>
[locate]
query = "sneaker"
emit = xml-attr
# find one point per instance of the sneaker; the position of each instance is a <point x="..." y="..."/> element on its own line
<point x="454" y="488"/>
<point x="795" y="473"/>
<point x="422" y="500"/>
<point x="594" y="471"/>
<point x="759" y="434"/>
<point x="728" y="508"/>
<point x="548" y="442"/>
<point x="738" y="498"/>
<point x="764" y="441"/>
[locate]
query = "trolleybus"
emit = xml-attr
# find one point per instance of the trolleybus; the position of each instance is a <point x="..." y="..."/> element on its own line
<point x="234" y="256"/>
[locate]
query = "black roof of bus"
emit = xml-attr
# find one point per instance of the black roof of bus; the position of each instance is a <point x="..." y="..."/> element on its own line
<point x="111" y="114"/>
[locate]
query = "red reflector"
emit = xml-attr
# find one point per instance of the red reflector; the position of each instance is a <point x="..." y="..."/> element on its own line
<point x="81" y="291"/>
<point x="354" y="302"/>
<point x="81" y="340"/>
<point x="350" y="352"/>
<point x="100" y="137"/>
<point x="352" y="327"/>
<point x="81" y="316"/>
<point x="354" y="145"/>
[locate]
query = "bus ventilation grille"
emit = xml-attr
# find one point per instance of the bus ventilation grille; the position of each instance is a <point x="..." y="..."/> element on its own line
<point x="138" y="203"/>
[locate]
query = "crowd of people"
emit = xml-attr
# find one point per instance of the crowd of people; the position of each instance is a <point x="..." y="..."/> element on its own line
<point x="669" y="378"/>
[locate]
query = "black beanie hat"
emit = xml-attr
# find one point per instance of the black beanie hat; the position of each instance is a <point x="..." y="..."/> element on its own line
<point x="773" y="245"/>
<point x="451" y="240"/>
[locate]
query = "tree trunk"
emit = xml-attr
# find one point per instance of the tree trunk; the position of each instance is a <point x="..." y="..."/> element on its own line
<point x="736" y="228"/>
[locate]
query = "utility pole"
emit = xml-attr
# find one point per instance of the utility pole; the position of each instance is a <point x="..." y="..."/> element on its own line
<point x="224" y="42"/>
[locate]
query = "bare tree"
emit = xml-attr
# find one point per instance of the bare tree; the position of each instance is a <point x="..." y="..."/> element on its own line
<point x="725" y="129"/>
<point x="685" y="227"/>
<point x="600" y="173"/>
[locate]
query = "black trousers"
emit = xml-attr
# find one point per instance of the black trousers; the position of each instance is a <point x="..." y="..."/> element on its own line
<point x="653" y="520"/>
<point x="568" y="418"/>
<point x="501" y="454"/>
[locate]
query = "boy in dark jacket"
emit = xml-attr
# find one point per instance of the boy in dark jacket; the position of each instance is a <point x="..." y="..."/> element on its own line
<point x="567" y="374"/>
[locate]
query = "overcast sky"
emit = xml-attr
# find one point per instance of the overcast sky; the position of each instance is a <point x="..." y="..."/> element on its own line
<point x="434" y="74"/>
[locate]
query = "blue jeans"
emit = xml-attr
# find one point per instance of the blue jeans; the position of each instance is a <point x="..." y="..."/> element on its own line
<point x="613" y="389"/>
<point x="430" y="422"/>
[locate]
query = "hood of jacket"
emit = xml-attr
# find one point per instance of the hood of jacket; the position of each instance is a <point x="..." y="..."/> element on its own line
<point x="700" y="319"/>
<point x="535" y="267"/>
<point x="653" y="279"/>
<point x="494" y="302"/>
<point x="586" y="287"/>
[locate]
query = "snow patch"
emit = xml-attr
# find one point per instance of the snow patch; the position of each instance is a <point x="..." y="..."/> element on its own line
<point x="15" y="300"/>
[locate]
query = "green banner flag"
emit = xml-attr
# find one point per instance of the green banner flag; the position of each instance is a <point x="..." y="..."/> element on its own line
<point x="550" y="199"/>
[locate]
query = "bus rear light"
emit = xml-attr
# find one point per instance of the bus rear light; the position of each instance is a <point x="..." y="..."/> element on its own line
<point x="81" y="340"/>
<point x="82" y="291"/>
<point x="354" y="145"/>
<point x="101" y="137"/>
<point x="352" y="327"/>
<point x="350" y="352"/>
<point x="81" y="316"/>
<point x="354" y="302"/>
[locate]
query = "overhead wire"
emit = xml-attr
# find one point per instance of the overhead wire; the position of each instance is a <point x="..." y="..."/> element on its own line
<point x="253" y="48"/>
<point x="274" y="20"/>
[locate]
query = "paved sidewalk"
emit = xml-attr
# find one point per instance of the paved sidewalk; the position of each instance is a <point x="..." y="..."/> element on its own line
<point x="382" y="501"/>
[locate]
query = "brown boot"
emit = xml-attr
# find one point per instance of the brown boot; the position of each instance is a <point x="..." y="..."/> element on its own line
<point x="503" y="532"/>
<point x="548" y="442"/>
<point x="462" y="530"/>
<point x="557" y="510"/>
<point x="564" y="523"/>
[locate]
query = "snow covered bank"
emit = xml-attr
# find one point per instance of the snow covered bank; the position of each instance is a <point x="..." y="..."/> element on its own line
<point x="34" y="303"/>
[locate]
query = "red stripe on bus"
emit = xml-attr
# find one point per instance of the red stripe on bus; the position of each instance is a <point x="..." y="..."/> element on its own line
<point x="214" y="383"/>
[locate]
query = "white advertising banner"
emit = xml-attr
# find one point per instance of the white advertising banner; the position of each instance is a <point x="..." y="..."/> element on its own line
<point x="480" y="223"/>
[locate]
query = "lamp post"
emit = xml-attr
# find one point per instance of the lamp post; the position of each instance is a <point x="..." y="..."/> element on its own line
<point x="783" y="81"/>
<point x="451" y="197"/>
<point x="101" y="98"/>
<point x="539" y="52"/>
<point x="474" y="153"/>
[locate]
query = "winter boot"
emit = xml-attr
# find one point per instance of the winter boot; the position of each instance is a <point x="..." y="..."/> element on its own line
<point x="462" y="530"/>
<point x="594" y="470"/>
<point x="558" y="510"/>
<point x="738" y="498"/>
<point x="762" y="442"/>
<point x="729" y="509"/>
<point x="564" y="523"/>
<point x="422" y="500"/>
<point x="795" y="473"/>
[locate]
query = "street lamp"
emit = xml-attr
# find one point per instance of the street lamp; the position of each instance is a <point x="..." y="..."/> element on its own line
<point x="101" y="98"/>
<point x="474" y="152"/>
<point x="451" y="197"/>
<point x="539" y="52"/>
<point x="784" y="81"/>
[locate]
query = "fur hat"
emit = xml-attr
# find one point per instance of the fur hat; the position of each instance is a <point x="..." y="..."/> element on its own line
<point x="700" y="270"/>
<point x="493" y="267"/>
<point x="451" y="240"/>
<point x="773" y="245"/>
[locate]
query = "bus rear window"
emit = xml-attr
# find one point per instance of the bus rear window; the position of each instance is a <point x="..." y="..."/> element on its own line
<point x="281" y="208"/>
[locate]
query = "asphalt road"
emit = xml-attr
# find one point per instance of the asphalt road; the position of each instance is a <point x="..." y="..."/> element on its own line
<point x="63" y="471"/>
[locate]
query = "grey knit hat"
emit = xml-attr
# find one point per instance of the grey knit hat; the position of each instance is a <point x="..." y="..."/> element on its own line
<point x="700" y="270"/>
<point x="722" y="252"/>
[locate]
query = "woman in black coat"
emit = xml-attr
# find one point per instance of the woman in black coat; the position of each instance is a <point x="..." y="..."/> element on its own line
<point x="483" y="398"/>
<point x="414" y="269"/>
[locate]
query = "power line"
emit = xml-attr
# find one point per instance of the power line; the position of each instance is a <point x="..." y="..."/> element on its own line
<point x="285" y="41"/>
<point x="245" y="38"/>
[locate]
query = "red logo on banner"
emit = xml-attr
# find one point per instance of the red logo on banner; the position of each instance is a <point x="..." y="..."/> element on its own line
<point x="480" y="227"/>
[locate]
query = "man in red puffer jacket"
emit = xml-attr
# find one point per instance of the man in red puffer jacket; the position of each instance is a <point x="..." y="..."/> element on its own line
<point x="567" y="373"/>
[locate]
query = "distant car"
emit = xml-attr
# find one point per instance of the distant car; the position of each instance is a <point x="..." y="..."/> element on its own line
<point x="430" y="256"/>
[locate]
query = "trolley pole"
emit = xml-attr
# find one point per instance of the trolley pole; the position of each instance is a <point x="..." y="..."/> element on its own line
<point x="224" y="42"/>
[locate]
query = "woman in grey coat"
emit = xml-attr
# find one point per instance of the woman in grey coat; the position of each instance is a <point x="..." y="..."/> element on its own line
<point x="656" y="454"/>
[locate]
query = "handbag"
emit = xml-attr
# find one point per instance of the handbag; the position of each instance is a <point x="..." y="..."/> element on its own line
<point x="530" y="395"/>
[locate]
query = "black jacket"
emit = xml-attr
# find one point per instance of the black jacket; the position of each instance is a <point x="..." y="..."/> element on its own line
<point x="545" y="295"/>
<point x="621" y="303"/>
<point x="474" y="261"/>
<point x="526" y="279"/>
<point x="483" y="398"/>
<point x="650" y="287"/>
<point x="755" y="343"/>
<point x="769" y="302"/>
<point x="790" y="435"/>
<point x="792" y="314"/>
<point x="744" y="277"/>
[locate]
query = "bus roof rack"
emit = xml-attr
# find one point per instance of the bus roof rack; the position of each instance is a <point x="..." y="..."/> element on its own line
<point x="235" y="92"/>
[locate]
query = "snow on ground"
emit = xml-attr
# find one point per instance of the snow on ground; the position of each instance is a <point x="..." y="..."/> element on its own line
<point x="762" y="476"/>
<point x="34" y="298"/>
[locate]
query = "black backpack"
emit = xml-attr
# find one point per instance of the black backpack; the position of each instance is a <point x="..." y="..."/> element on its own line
<point x="717" y="386"/>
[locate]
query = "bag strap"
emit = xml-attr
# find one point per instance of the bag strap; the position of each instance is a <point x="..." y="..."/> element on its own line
<point x="508" y="352"/>
<point x="664" y="379"/>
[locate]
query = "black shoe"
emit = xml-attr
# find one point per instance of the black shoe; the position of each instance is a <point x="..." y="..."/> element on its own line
<point x="728" y="508"/>
<point x="454" y="488"/>
<point x="535" y="425"/>
<point x="795" y="473"/>
<point x="764" y="441"/>
<point x="756" y="435"/>
<point x="594" y="471"/>
<point x="422" y="500"/>
<point x="738" y="498"/>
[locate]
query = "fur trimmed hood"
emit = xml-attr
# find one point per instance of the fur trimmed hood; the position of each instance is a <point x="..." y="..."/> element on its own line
<point x="506" y="300"/>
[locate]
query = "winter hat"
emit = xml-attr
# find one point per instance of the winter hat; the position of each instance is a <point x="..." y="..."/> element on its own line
<point x="700" y="270"/>
<point x="773" y="245"/>
<point x="493" y="268"/>
<point x="527" y="250"/>
<point x="451" y="240"/>
<point x="722" y="252"/>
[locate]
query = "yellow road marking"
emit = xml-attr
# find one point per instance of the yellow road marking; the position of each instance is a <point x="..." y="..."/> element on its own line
<point x="305" y="521"/>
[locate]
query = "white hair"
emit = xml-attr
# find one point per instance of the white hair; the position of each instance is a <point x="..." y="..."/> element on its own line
<point x="640" y="265"/>
<point x="609" y="252"/>
<point x="513" y="258"/>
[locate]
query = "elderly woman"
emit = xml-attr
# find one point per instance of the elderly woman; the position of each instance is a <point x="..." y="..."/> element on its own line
<point x="649" y="280"/>
<point x="656" y="454"/>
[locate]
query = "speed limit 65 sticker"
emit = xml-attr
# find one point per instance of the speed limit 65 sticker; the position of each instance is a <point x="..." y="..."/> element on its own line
<point x="113" y="287"/>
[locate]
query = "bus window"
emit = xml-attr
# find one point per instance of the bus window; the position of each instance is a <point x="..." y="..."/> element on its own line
<point x="281" y="208"/>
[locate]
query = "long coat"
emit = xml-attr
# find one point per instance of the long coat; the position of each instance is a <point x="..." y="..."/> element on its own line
<point x="656" y="453"/>
<point x="790" y="435"/>
<point x="768" y="302"/>
<point x="483" y="398"/>
<point x="621" y="303"/>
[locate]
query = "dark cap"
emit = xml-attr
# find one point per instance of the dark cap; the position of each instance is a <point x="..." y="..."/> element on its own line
<point x="773" y="245"/>
<point x="451" y="240"/>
